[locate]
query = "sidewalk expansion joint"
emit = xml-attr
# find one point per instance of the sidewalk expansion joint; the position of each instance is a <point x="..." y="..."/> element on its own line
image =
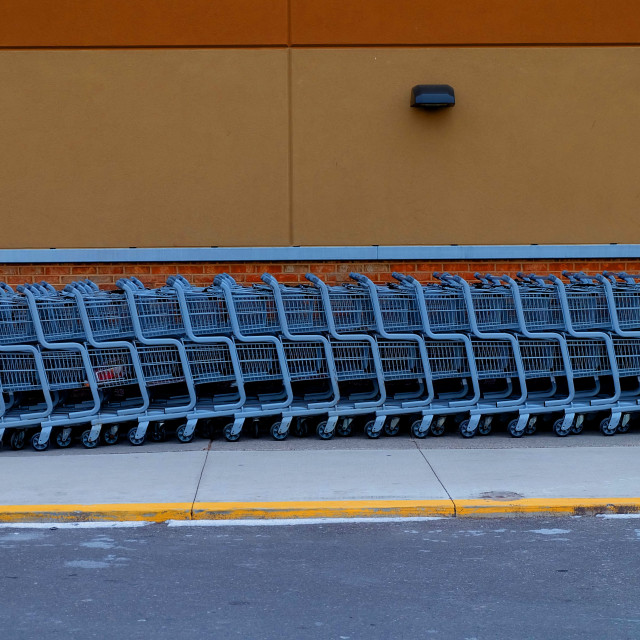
<point x="204" y="465"/>
<point x="437" y="477"/>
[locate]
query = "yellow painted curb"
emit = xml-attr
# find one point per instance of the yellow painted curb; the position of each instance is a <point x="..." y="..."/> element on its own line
<point x="160" y="512"/>
<point x="548" y="506"/>
<point x="153" y="512"/>
<point x="322" y="509"/>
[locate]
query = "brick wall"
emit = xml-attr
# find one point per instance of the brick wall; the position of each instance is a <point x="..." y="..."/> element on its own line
<point x="202" y="273"/>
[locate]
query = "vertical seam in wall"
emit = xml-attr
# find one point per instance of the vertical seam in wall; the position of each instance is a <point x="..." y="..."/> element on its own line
<point x="290" y="122"/>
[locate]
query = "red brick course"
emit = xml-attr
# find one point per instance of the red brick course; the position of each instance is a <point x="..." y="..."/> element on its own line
<point x="154" y="274"/>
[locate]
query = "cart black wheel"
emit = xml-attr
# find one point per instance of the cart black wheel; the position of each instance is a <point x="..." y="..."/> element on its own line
<point x="344" y="428"/>
<point x="228" y="434"/>
<point x="605" y="427"/>
<point x="110" y="436"/>
<point x="436" y="429"/>
<point x="63" y="441"/>
<point x="392" y="431"/>
<point x="484" y="428"/>
<point x="85" y="438"/>
<point x="559" y="429"/>
<point x="35" y="443"/>
<point x="276" y="434"/>
<point x="512" y="428"/>
<point x="369" y="430"/>
<point x="465" y="431"/>
<point x="17" y="439"/>
<point x="530" y="429"/>
<point x="301" y="428"/>
<point x="321" y="431"/>
<point x="136" y="442"/>
<point x="577" y="428"/>
<point x="158" y="432"/>
<point x="415" y="430"/>
<point x="624" y="428"/>
<point x="182" y="436"/>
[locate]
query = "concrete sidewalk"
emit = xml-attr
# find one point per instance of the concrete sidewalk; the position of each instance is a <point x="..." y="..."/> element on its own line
<point x="140" y="484"/>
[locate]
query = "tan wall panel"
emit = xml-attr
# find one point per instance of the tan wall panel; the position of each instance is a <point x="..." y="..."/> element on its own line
<point x="143" y="148"/>
<point x="543" y="146"/>
<point x="128" y="23"/>
<point x="373" y="22"/>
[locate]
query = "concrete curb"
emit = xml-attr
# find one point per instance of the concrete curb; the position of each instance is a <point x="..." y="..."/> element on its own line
<point x="161" y="512"/>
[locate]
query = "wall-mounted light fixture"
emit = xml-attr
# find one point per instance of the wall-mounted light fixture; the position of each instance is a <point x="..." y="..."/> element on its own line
<point x="432" y="96"/>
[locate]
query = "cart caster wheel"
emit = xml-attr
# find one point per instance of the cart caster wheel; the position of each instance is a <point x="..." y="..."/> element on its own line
<point x="415" y="430"/>
<point x="484" y="429"/>
<point x="180" y="434"/>
<point x="344" y="428"/>
<point x="624" y="428"/>
<point x="301" y="429"/>
<point x="530" y="429"/>
<point x="513" y="430"/>
<point x="228" y="434"/>
<point x="465" y="431"/>
<point x="63" y="440"/>
<point x="559" y="430"/>
<point x="17" y="440"/>
<point x="35" y="443"/>
<point x="577" y="428"/>
<point x="391" y="429"/>
<point x="436" y="429"/>
<point x="87" y="443"/>
<point x="255" y="429"/>
<point x="158" y="432"/>
<point x="136" y="442"/>
<point x="368" y="429"/>
<point x="321" y="431"/>
<point x="110" y="436"/>
<point x="605" y="427"/>
<point x="276" y="434"/>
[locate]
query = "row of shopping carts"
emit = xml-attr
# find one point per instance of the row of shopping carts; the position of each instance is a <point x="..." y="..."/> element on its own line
<point x="95" y="364"/>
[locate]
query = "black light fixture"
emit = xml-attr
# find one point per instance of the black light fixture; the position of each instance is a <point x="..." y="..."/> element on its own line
<point x="432" y="96"/>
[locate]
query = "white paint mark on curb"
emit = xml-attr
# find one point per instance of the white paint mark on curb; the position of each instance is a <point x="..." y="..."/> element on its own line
<point x="280" y="522"/>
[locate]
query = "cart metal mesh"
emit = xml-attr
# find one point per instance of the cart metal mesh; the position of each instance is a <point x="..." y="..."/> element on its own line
<point x="159" y="313"/>
<point x="446" y="309"/>
<point x="259" y="361"/>
<point x="306" y="360"/>
<point x="627" y="352"/>
<point x="541" y="358"/>
<point x="541" y="308"/>
<point x="399" y="310"/>
<point x="588" y="307"/>
<point x="64" y="369"/>
<point x="303" y="309"/>
<point x="447" y="359"/>
<point x="210" y="362"/>
<point x="208" y="312"/>
<point x="60" y="318"/>
<point x="494" y="359"/>
<point x="255" y="309"/>
<point x="160" y="364"/>
<point x="16" y="326"/>
<point x="112" y="367"/>
<point x="352" y="310"/>
<point x="19" y="372"/>
<point x="109" y="316"/>
<point x="627" y="303"/>
<point x="401" y="360"/>
<point x="354" y="360"/>
<point x="588" y="357"/>
<point x="494" y="308"/>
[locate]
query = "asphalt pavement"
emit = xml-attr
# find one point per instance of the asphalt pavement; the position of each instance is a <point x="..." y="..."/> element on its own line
<point x="443" y="578"/>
